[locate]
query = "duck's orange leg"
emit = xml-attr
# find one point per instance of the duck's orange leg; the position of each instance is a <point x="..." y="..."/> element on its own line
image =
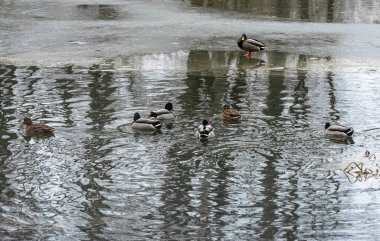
<point x="248" y="55"/>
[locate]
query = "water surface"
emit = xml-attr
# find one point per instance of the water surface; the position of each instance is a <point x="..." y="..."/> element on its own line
<point x="271" y="176"/>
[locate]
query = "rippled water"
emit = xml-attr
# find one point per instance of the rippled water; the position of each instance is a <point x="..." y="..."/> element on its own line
<point x="271" y="176"/>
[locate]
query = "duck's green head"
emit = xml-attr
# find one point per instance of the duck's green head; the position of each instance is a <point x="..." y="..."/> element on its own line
<point x="241" y="40"/>
<point x="327" y="125"/>
<point x="169" y="106"/>
<point x="136" y="116"/>
<point x="205" y="122"/>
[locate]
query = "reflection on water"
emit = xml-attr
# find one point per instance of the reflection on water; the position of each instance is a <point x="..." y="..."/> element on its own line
<point x="100" y="12"/>
<point x="273" y="175"/>
<point x="363" y="11"/>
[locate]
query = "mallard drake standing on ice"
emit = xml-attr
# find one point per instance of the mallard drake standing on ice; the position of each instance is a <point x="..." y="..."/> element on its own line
<point x="250" y="45"/>
<point x="144" y="124"/>
<point x="164" y="114"/>
<point x="338" y="130"/>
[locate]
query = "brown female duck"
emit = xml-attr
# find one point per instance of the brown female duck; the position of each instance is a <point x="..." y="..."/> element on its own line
<point x="229" y="113"/>
<point x="37" y="128"/>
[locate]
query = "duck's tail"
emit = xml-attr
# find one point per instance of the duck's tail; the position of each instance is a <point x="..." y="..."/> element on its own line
<point x="158" y="125"/>
<point x="349" y="131"/>
<point x="204" y="133"/>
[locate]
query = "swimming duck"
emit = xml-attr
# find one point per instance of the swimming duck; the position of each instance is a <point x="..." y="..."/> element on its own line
<point x="205" y="130"/>
<point x="229" y="113"/>
<point x="37" y="129"/>
<point x="338" y="130"/>
<point x="164" y="114"/>
<point x="144" y="123"/>
<point x="250" y="45"/>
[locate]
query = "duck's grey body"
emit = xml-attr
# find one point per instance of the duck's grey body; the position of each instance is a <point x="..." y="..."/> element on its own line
<point x="164" y="114"/>
<point x="338" y="130"/>
<point x="253" y="45"/>
<point x="145" y="123"/>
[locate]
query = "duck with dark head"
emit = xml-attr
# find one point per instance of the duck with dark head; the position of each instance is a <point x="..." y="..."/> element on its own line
<point x="164" y="114"/>
<point x="145" y="124"/>
<point x="338" y="130"/>
<point x="204" y="131"/>
<point x="250" y="45"/>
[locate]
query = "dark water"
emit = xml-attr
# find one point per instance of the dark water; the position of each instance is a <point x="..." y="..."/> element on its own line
<point x="271" y="176"/>
<point x="338" y="11"/>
